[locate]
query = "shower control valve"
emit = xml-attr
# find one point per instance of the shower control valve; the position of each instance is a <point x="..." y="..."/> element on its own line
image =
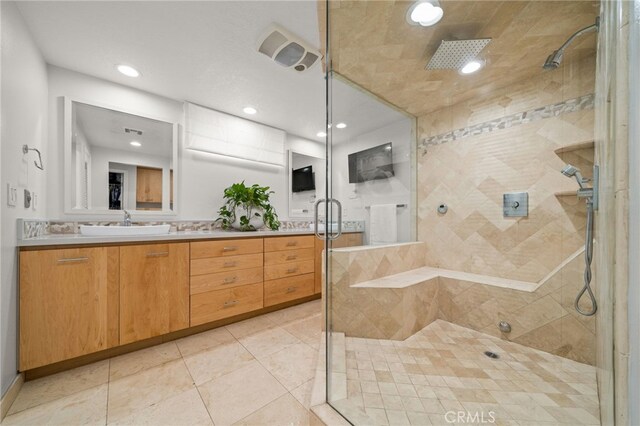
<point x="515" y="204"/>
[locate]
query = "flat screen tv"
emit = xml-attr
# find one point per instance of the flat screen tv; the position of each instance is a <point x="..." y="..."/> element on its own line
<point x="371" y="164"/>
<point x="302" y="179"/>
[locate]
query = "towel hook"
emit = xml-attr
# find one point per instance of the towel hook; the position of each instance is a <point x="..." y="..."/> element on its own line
<point x="26" y="149"/>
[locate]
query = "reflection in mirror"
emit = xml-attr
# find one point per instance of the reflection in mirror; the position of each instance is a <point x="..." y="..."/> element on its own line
<point x="120" y="161"/>
<point x="306" y="180"/>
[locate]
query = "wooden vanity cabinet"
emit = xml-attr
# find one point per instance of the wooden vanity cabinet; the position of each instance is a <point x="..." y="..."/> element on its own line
<point x="68" y="303"/>
<point x="78" y="301"/>
<point x="226" y="278"/>
<point x="288" y="268"/>
<point x="154" y="290"/>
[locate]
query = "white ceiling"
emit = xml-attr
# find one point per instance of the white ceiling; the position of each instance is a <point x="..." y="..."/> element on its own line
<point x="105" y="128"/>
<point x="202" y="52"/>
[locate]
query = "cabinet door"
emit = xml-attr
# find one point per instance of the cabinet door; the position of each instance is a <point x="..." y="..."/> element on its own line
<point x="149" y="185"/>
<point x="68" y="304"/>
<point x="154" y="290"/>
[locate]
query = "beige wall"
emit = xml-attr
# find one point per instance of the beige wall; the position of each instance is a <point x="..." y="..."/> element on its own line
<point x="471" y="174"/>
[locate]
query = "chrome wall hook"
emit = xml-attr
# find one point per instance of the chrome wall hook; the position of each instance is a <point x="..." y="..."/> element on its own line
<point x="26" y="149"/>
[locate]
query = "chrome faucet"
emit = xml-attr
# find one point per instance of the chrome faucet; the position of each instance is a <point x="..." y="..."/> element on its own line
<point x="127" y="219"/>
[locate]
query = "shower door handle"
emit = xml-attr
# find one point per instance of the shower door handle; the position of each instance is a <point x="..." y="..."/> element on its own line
<point x="326" y="230"/>
<point x="315" y="216"/>
<point x="337" y="234"/>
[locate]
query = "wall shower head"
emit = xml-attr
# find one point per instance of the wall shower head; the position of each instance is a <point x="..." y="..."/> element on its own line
<point x="553" y="61"/>
<point x="573" y="171"/>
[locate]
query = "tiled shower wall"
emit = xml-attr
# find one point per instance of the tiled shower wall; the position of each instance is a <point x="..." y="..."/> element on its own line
<point x="471" y="153"/>
<point x="543" y="319"/>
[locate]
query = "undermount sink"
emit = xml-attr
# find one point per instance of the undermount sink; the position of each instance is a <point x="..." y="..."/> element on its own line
<point x="119" y="230"/>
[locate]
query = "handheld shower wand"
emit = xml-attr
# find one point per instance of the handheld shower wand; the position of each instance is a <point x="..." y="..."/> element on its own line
<point x="590" y="194"/>
<point x="573" y="171"/>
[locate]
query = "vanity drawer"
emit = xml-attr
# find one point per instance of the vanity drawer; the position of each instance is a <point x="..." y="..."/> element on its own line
<point x="224" y="280"/>
<point x="290" y="288"/>
<point x="288" y="243"/>
<point x="219" y="304"/>
<point x="272" y="272"/>
<point x="277" y="257"/>
<point x="214" y="265"/>
<point x="205" y="249"/>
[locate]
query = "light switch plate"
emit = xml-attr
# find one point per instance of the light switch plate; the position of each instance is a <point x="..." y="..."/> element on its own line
<point x="12" y="195"/>
<point x="515" y="204"/>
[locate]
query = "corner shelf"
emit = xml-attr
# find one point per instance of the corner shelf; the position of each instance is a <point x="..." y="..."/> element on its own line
<point x="574" y="147"/>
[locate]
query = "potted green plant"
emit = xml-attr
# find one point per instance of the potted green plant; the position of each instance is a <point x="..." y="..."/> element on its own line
<point x="247" y="208"/>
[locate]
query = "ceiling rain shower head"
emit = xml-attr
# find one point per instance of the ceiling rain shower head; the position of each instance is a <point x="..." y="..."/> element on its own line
<point x="455" y="54"/>
<point x="555" y="59"/>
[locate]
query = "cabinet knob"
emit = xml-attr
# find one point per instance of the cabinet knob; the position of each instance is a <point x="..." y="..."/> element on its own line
<point x="292" y="243"/>
<point x="231" y="248"/>
<point x="291" y="270"/>
<point x="292" y="257"/>
<point x="229" y="264"/>
<point x="230" y="280"/>
<point x="291" y="289"/>
<point x="230" y="303"/>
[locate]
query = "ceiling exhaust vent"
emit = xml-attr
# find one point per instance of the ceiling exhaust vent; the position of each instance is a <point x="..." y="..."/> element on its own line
<point x="287" y="49"/>
<point x="137" y="132"/>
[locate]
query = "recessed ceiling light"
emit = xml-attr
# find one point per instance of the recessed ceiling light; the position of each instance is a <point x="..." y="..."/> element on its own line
<point x="425" y="13"/>
<point x="341" y="125"/>
<point x="321" y="134"/>
<point x="249" y="110"/>
<point x="135" y="143"/>
<point x="471" y="66"/>
<point x="129" y="71"/>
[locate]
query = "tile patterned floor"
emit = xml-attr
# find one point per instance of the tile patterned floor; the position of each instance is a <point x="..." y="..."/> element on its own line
<point x="260" y="372"/>
<point x="256" y="372"/>
<point x="442" y="369"/>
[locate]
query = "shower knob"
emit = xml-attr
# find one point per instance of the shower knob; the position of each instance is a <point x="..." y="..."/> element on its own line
<point x="504" y="326"/>
<point x="515" y="204"/>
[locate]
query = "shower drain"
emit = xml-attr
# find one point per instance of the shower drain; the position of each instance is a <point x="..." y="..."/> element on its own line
<point x="492" y="355"/>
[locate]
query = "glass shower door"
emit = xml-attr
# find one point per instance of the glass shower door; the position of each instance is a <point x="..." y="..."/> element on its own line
<point x="457" y="305"/>
<point x="370" y="226"/>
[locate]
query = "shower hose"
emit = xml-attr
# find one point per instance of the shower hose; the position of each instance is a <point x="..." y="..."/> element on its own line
<point x="588" y="256"/>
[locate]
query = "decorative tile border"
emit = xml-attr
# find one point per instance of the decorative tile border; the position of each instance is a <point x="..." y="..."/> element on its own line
<point x="38" y="228"/>
<point x="32" y="228"/>
<point x="553" y="110"/>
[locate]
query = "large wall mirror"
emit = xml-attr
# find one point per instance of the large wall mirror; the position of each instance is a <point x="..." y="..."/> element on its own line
<point x="306" y="183"/>
<point x="116" y="161"/>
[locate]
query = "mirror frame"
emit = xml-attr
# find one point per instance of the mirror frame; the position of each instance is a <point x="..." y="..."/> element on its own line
<point x="309" y="216"/>
<point x="67" y="145"/>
